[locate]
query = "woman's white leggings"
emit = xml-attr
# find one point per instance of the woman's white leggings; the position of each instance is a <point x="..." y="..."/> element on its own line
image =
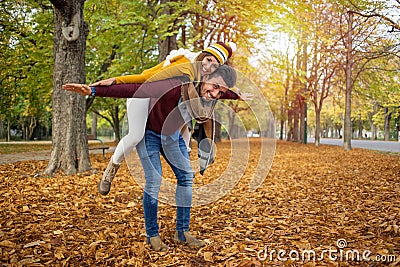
<point x="137" y="112"/>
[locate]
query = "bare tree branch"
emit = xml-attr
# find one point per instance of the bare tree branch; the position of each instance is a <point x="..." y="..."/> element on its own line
<point x="372" y="14"/>
<point x="391" y="22"/>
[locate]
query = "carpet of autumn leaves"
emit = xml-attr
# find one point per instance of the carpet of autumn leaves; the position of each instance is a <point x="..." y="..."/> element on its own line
<point x="311" y="198"/>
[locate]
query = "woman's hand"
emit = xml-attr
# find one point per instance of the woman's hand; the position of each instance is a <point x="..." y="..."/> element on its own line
<point x="105" y="82"/>
<point x="79" y="88"/>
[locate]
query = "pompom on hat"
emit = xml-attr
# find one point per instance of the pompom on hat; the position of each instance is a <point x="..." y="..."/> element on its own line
<point x="221" y="51"/>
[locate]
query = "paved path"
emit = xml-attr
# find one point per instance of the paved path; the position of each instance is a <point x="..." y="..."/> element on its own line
<point x="387" y="146"/>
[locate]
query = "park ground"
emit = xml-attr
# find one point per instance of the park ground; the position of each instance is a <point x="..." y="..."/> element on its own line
<point x="336" y="203"/>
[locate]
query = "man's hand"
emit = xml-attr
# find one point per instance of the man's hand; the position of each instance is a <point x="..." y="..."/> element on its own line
<point x="79" y="88"/>
<point x="244" y="96"/>
<point x="105" y="82"/>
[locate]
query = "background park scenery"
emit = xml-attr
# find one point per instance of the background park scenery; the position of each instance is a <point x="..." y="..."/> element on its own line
<point x="323" y="69"/>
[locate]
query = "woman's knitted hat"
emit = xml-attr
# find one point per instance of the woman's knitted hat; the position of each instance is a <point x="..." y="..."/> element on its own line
<point x="221" y="51"/>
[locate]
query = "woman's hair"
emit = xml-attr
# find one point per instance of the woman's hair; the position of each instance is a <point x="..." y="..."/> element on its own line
<point x="197" y="66"/>
<point x="204" y="54"/>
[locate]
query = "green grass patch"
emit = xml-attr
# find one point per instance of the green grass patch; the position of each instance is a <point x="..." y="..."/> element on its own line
<point x="26" y="147"/>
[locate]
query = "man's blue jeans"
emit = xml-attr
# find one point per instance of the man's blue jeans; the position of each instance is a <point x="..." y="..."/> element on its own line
<point x="174" y="150"/>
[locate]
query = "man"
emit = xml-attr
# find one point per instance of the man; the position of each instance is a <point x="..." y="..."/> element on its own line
<point x="176" y="103"/>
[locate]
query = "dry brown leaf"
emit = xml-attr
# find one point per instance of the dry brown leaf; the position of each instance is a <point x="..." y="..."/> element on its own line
<point x="33" y="244"/>
<point x="59" y="255"/>
<point x="7" y="243"/>
<point x="208" y="256"/>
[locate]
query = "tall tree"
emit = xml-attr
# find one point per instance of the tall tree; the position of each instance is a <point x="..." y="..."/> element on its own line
<point x="25" y="49"/>
<point x="167" y="40"/>
<point x="364" y="25"/>
<point x="70" y="149"/>
<point x="151" y="28"/>
<point x="348" y="131"/>
<point x="323" y="65"/>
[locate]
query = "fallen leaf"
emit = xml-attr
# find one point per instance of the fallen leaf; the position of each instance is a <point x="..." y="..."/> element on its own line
<point x="208" y="256"/>
<point x="33" y="244"/>
<point x="59" y="255"/>
<point x="7" y="243"/>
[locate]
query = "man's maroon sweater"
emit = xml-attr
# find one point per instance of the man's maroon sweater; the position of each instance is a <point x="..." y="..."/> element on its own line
<point x="164" y="116"/>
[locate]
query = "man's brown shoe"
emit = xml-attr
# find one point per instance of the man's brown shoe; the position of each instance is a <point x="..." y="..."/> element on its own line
<point x="157" y="245"/>
<point x="187" y="239"/>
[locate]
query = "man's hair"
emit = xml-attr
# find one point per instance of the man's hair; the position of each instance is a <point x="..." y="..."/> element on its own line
<point x="227" y="73"/>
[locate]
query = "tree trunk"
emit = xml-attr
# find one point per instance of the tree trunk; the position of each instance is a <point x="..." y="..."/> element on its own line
<point x="23" y="131"/>
<point x="397" y="125"/>
<point x="303" y="103"/>
<point x="232" y="127"/>
<point x="8" y="131"/>
<point x="349" y="85"/>
<point x="281" y="130"/>
<point x="165" y="46"/>
<point x="115" y="124"/>
<point x="303" y="122"/>
<point x="360" y="129"/>
<point x="289" y="136"/>
<point x="1" y="129"/>
<point x="296" y="116"/>
<point x="94" y="124"/>
<point x="373" y="130"/>
<point x="70" y="149"/>
<point x="218" y="128"/>
<point x="317" y="127"/>
<point x="282" y="124"/>
<point x="169" y="43"/>
<point x="32" y="126"/>
<point x="388" y="117"/>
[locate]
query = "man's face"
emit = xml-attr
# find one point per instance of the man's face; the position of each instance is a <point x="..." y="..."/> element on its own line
<point x="213" y="88"/>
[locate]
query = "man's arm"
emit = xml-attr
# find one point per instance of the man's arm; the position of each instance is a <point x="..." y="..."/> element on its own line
<point x="237" y="95"/>
<point x="134" y="90"/>
<point x="229" y="95"/>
